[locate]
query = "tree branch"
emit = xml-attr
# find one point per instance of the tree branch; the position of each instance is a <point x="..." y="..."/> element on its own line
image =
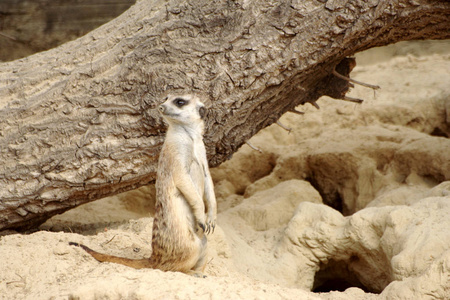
<point x="78" y="122"/>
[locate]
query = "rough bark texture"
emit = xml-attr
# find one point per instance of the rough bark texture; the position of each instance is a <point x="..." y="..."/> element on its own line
<point x="78" y="122"/>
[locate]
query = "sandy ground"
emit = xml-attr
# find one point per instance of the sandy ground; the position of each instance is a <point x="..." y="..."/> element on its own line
<point x="384" y="167"/>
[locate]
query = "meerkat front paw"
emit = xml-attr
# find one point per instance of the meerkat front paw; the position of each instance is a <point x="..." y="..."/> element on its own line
<point x="202" y="226"/>
<point x="210" y="223"/>
<point x="207" y="227"/>
<point x="201" y="221"/>
<point x="210" y="227"/>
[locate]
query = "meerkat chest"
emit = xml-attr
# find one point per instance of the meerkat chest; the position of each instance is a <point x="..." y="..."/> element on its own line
<point x="199" y="152"/>
<point x="197" y="168"/>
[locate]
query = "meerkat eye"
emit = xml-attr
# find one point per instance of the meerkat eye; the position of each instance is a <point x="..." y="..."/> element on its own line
<point x="180" y="102"/>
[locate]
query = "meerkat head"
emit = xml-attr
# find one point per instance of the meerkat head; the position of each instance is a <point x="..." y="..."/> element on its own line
<point x="183" y="110"/>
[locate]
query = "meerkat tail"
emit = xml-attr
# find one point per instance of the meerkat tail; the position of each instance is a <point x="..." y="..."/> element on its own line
<point x="133" y="263"/>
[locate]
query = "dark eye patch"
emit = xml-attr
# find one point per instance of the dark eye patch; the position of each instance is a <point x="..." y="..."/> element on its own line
<point x="180" y="102"/>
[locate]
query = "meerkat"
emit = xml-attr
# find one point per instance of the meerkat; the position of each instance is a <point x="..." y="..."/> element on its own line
<point x="185" y="209"/>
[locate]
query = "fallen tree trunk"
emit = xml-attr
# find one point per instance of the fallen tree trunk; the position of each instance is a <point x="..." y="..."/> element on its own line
<point x="78" y="122"/>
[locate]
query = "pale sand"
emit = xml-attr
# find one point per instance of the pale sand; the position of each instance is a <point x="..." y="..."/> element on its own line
<point x="274" y="234"/>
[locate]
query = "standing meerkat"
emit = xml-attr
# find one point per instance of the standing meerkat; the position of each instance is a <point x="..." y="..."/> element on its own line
<point x="185" y="207"/>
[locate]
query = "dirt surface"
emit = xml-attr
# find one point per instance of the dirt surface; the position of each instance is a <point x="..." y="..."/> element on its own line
<point x="382" y="169"/>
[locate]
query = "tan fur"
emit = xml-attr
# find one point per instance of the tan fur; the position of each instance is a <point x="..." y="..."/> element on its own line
<point x="185" y="201"/>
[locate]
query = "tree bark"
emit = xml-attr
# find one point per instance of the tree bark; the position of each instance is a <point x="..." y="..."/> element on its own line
<point x="78" y="122"/>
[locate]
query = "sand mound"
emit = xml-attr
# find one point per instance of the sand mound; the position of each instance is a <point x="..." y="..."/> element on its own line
<point x="353" y="203"/>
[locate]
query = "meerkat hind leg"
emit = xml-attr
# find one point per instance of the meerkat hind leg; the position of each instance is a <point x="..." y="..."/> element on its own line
<point x="196" y="274"/>
<point x="199" y="268"/>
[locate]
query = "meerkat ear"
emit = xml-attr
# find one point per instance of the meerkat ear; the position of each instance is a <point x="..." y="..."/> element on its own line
<point x="202" y="112"/>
